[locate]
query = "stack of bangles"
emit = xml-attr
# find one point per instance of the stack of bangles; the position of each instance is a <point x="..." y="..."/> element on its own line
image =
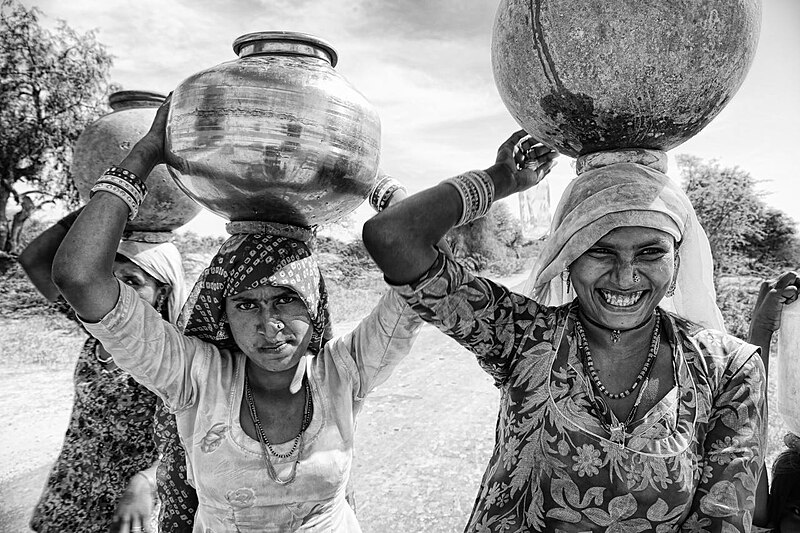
<point x="125" y="185"/>
<point x="476" y="189"/>
<point x="382" y="193"/>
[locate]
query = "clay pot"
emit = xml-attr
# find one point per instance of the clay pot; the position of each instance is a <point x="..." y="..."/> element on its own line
<point x="276" y="135"/>
<point x="108" y="140"/>
<point x="589" y="75"/>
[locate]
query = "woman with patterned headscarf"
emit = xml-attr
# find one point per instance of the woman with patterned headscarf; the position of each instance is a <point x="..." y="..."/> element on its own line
<point x="625" y="406"/>
<point x="265" y="400"/>
<point x="104" y="476"/>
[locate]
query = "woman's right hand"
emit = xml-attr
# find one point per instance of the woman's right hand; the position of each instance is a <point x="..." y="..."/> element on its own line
<point x="521" y="163"/>
<point x="772" y="296"/>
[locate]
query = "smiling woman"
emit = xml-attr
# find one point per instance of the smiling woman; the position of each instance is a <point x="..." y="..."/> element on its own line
<point x="617" y="381"/>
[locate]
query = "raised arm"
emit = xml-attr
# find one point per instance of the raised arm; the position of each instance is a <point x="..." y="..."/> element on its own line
<point x="402" y="238"/>
<point x="765" y="320"/>
<point x="766" y="317"/>
<point x="83" y="265"/>
<point x="37" y="258"/>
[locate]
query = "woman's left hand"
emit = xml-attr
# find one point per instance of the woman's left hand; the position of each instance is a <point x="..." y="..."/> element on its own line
<point x="772" y="296"/>
<point x="135" y="507"/>
<point x="521" y="163"/>
<point x="153" y="142"/>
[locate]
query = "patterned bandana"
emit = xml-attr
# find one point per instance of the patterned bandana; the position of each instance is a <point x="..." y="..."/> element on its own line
<point x="248" y="261"/>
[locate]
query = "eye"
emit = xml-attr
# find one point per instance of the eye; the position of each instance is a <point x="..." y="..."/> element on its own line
<point x="245" y="306"/>
<point x="287" y="299"/>
<point x="599" y="251"/>
<point x="652" y="253"/>
<point x="131" y="281"/>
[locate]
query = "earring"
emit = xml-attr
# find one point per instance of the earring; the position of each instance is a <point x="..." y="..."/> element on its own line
<point x="636" y="278"/>
<point x="671" y="290"/>
<point x="565" y="279"/>
<point x="159" y="303"/>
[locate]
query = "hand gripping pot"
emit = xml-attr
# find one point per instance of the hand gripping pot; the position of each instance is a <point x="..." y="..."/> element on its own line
<point x="276" y="135"/>
<point x="108" y="140"/>
<point x="583" y="76"/>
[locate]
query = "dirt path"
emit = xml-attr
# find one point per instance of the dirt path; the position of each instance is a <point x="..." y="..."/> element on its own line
<point x="35" y="404"/>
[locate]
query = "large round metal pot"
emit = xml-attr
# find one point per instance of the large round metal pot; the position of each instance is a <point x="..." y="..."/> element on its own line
<point x="589" y="75"/>
<point x="276" y="135"/>
<point x="108" y="140"/>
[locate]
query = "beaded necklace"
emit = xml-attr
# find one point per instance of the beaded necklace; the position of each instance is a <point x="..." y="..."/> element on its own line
<point x="583" y="344"/>
<point x="266" y="446"/>
<point x="618" y="430"/>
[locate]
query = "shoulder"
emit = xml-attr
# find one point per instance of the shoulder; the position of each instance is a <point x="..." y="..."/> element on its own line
<point x="717" y="352"/>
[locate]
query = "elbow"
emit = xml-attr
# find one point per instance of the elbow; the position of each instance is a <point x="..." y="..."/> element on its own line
<point x="68" y="276"/>
<point x="379" y="239"/>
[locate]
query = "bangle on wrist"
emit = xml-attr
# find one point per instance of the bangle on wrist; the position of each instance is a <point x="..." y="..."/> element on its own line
<point x="125" y="185"/>
<point x="381" y="195"/>
<point x="476" y="190"/>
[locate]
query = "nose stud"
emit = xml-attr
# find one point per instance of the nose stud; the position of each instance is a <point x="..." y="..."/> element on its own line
<point x="279" y="325"/>
<point x="636" y="278"/>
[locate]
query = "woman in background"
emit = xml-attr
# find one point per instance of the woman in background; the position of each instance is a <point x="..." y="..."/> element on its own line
<point x="104" y="477"/>
<point x="777" y="507"/>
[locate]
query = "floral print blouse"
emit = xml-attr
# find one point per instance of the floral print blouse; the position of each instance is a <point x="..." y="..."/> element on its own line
<point x="109" y="439"/>
<point x="691" y="463"/>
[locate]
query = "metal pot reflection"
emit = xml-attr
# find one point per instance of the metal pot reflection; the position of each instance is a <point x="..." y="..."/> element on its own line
<point x="276" y="135"/>
<point x="108" y="140"/>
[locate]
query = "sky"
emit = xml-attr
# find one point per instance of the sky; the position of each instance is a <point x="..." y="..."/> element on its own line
<point x="425" y="65"/>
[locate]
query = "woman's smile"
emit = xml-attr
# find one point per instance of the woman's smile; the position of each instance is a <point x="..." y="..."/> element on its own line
<point x="621" y="299"/>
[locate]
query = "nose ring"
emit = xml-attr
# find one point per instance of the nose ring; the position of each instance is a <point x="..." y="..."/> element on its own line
<point x="636" y="278"/>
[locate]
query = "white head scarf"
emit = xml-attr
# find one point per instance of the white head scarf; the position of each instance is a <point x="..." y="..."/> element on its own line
<point x="163" y="262"/>
<point x="619" y="195"/>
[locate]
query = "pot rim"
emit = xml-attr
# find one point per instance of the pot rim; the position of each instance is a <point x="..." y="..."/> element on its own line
<point x="288" y="37"/>
<point x="125" y="99"/>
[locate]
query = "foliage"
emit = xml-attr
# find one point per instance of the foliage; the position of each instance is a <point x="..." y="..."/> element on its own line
<point x="52" y="84"/>
<point x="746" y="235"/>
<point x="736" y="296"/>
<point x="778" y="247"/>
<point x="727" y="205"/>
<point x="493" y="242"/>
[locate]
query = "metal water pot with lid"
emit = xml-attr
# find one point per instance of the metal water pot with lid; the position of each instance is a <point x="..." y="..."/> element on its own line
<point x="276" y="135"/>
<point x="108" y="140"/>
<point x="584" y="76"/>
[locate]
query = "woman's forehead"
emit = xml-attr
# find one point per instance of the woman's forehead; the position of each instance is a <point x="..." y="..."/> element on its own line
<point x="124" y="264"/>
<point x="264" y="292"/>
<point x="636" y="236"/>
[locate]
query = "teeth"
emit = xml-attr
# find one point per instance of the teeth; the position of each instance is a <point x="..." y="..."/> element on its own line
<point x="621" y="300"/>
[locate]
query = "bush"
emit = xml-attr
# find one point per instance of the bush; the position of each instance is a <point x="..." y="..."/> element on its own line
<point x="494" y="242"/>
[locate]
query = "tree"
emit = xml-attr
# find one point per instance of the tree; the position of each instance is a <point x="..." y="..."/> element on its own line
<point x="728" y="207"/>
<point x="745" y="234"/>
<point x="52" y="84"/>
<point x="778" y="247"/>
<point x="491" y="241"/>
